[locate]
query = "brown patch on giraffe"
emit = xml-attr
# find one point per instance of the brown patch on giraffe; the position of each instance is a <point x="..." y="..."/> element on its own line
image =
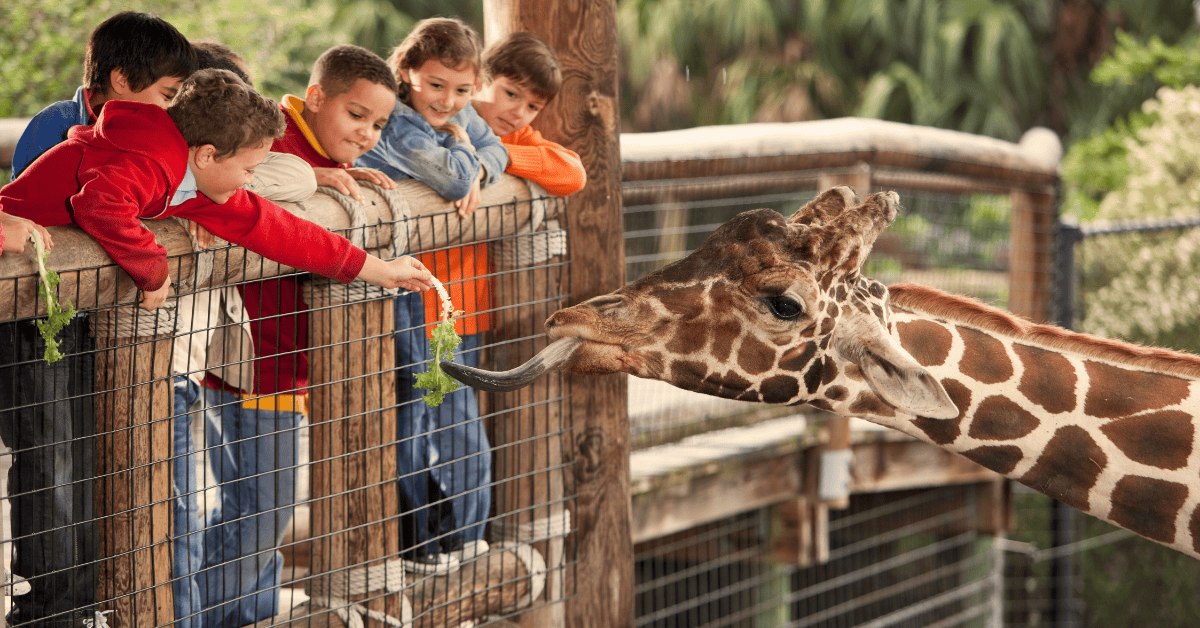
<point x="868" y="403"/>
<point x="827" y="326"/>
<point x="1194" y="527"/>
<point x="1159" y="439"/>
<point x="999" y="418"/>
<point x="946" y="431"/>
<point x="1049" y="379"/>
<point x="1068" y="468"/>
<point x="854" y="372"/>
<point x="820" y="404"/>
<point x="687" y="339"/>
<point x="812" y="377"/>
<point x="685" y="302"/>
<point x="832" y="309"/>
<point x="796" y="358"/>
<point x="779" y="389"/>
<point x="831" y="372"/>
<point x="1108" y="395"/>
<point x="724" y="333"/>
<point x="999" y="458"/>
<point x="928" y="342"/>
<point x="984" y="359"/>
<point x="1147" y="506"/>
<point x="837" y="393"/>
<point x="754" y="356"/>
<point x="840" y="293"/>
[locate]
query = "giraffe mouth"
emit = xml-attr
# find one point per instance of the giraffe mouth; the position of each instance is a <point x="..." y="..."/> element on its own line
<point x="552" y="358"/>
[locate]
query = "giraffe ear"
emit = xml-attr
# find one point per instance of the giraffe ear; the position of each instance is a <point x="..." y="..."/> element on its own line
<point x="902" y="382"/>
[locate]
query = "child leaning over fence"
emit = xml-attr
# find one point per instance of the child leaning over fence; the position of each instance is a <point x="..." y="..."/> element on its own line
<point x="433" y="135"/>
<point x="521" y="76"/>
<point x="131" y="163"/>
<point x="46" y="409"/>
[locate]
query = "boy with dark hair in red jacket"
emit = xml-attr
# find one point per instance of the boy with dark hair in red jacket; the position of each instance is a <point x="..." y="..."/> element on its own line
<point x="129" y="166"/>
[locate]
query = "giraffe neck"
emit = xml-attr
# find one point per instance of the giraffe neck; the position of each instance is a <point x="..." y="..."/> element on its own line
<point x="1106" y="427"/>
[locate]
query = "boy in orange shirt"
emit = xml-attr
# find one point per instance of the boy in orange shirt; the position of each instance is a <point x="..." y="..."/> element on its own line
<point x="521" y="77"/>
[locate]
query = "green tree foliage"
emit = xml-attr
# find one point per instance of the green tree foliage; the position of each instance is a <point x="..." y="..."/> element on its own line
<point x="42" y="43"/>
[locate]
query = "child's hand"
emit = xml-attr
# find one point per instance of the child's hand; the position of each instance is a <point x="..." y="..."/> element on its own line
<point x="204" y="238"/>
<point x="403" y="272"/>
<point x="469" y="203"/>
<point x="374" y="176"/>
<point x="154" y="299"/>
<point x="456" y="131"/>
<point x="340" y="180"/>
<point x="17" y="232"/>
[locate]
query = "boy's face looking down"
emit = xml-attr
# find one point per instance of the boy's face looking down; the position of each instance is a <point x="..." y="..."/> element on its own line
<point x="438" y="92"/>
<point x="348" y="125"/>
<point x="507" y="106"/>
<point x="219" y="177"/>
<point x="158" y="93"/>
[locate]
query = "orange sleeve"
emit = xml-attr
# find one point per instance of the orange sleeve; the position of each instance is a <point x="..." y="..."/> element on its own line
<point x="550" y="165"/>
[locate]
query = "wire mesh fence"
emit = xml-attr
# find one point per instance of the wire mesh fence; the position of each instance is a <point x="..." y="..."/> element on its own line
<point x="257" y="451"/>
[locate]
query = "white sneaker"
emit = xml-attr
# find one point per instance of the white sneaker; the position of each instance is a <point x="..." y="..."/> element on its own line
<point x="431" y="564"/>
<point x="471" y="550"/>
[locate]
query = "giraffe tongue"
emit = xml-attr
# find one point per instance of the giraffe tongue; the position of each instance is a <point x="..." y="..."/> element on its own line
<point x="551" y="358"/>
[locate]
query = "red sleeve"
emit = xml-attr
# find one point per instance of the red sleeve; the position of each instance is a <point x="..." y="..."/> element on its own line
<point x="259" y="225"/>
<point x="110" y="200"/>
<point x="554" y="167"/>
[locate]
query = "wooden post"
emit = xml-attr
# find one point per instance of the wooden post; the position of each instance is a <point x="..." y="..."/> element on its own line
<point x="585" y="117"/>
<point x="355" y="507"/>
<point x="133" y="469"/>
<point x="1031" y="248"/>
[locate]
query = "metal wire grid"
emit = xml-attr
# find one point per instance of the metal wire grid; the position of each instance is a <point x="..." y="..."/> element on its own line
<point x="908" y="559"/>
<point x="537" y="433"/>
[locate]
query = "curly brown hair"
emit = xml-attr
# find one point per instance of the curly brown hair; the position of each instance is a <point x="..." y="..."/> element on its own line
<point x="526" y="60"/>
<point x="216" y="107"/>
<point x="446" y="39"/>
<point x="337" y="69"/>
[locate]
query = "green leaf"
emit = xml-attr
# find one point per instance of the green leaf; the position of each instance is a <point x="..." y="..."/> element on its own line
<point x="56" y="316"/>
<point x="443" y="343"/>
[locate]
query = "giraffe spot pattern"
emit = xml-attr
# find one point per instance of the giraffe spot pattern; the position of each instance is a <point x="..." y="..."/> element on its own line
<point x="1159" y="439"/>
<point x="812" y="377"/>
<point x="927" y="342"/>
<point x="796" y="358"/>
<point x="687" y="339"/>
<point x="754" y="356"/>
<point x="1194" y="527"/>
<point x="1109" y="397"/>
<point x="1049" y="379"/>
<point x="837" y="393"/>
<point x="946" y="431"/>
<point x="724" y="333"/>
<point x="779" y="389"/>
<point x="1068" y="468"/>
<point x="999" y="458"/>
<point x="868" y="403"/>
<point x="984" y="359"/>
<point x="830" y="374"/>
<point x="1147" y="506"/>
<point x="999" y="418"/>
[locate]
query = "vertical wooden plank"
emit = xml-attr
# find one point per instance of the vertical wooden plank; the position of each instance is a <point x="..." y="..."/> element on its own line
<point x="355" y="508"/>
<point x="133" y="478"/>
<point x="1031" y="253"/>
<point x="585" y="118"/>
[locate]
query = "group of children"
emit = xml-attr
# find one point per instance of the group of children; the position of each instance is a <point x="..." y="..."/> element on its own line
<point x="166" y="127"/>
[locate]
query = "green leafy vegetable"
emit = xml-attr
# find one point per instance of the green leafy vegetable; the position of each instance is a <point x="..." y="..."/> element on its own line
<point x="443" y="343"/>
<point x="56" y="316"/>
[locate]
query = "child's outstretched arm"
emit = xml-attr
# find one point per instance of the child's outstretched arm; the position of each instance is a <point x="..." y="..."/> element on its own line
<point x="15" y="232"/>
<point x="403" y="272"/>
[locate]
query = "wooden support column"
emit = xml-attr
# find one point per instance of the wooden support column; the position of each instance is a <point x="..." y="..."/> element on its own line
<point x="354" y="504"/>
<point x="585" y="117"/>
<point x="1031" y="253"/>
<point x="133" y="468"/>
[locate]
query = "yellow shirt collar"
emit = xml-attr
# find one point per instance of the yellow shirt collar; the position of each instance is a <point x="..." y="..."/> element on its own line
<point x="294" y="107"/>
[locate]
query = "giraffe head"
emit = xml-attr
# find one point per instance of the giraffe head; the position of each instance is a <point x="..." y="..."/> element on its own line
<point x="767" y="309"/>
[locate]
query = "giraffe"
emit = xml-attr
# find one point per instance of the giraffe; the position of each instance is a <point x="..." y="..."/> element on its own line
<point x="777" y="311"/>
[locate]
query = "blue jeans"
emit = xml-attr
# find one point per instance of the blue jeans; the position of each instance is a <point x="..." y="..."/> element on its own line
<point x="252" y="453"/>
<point x="190" y="518"/>
<point x="440" y="450"/>
<point x="46" y="418"/>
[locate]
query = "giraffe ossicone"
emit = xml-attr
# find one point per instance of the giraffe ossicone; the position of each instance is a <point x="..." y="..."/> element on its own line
<point x="776" y="310"/>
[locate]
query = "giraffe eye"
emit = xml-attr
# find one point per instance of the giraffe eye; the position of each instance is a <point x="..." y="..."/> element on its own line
<point x="784" y="307"/>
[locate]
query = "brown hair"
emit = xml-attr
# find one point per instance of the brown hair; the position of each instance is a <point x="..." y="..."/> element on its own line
<point x="446" y="39"/>
<point x="337" y="69"/>
<point x="526" y="60"/>
<point x="216" y="107"/>
<point x="214" y="54"/>
<point x="145" y="48"/>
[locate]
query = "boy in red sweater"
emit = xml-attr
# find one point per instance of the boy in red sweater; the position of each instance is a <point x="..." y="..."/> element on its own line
<point x="521" y="77"/>
<point x="125" y="168"/>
